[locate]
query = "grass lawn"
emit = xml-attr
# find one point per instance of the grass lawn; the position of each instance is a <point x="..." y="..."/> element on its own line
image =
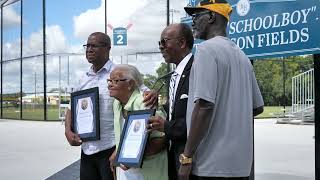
<point x="37" y="113"/>
<point x="29" y="113"/>
<point x="273" y="111"/>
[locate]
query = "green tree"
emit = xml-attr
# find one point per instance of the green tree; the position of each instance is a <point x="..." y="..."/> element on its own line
<point x="151" y="80"/>
<point x="269" y="74"/>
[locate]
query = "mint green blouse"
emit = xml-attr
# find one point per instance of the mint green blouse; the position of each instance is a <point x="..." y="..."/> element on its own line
<point x="154" y="167"/>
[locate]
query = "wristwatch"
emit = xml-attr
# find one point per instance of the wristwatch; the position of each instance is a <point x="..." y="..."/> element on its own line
<point x="184" y="159"/>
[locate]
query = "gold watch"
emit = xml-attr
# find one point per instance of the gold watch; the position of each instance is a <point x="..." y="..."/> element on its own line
<point x="184" y="159"/>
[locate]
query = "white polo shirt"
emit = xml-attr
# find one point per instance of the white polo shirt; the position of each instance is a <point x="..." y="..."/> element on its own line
<point x="99" y="79"/>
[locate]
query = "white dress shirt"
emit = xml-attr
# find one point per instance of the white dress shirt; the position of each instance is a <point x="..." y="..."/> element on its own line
<point x="178" y="71"/>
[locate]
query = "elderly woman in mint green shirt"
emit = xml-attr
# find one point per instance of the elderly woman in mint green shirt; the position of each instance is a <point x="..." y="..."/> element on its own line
<point x="123" y="84"/>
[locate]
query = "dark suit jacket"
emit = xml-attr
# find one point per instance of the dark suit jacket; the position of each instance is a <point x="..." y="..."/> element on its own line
<point x="176" y="129"/>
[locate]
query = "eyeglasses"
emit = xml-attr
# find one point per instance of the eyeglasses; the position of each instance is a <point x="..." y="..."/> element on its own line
<point x="164" y="41"/>
<point x="87" y="46"/>
<point x="115" y="81"/>
<point x="197" y="15"/>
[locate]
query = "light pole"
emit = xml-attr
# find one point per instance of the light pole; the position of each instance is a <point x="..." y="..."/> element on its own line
<point x="168" y="65"/>
<point x="105" y="17"/>
<point x="173" y="11"/>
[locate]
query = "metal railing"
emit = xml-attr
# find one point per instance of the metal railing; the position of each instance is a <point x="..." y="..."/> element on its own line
<point x="303" y="92"/>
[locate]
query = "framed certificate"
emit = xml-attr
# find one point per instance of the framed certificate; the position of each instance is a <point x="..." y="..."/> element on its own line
<point x="133" y="139"/>
<point x="85" y="114"/>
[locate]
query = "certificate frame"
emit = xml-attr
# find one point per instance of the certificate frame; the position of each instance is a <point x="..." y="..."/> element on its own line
<point x="92" y="97"/>
<point x="130" y="122"/>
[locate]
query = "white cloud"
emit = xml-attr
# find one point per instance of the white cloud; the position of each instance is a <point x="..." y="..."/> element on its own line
<point x="33" y="45"/>
<point x="56" y="40"/>
<point x="10" y="17"/>
<point x="148" y="19"/>
<point x="88" y="22"/>
<point x="92" y="20"/>
<point x="76" y="65"/>
<point x="147" y="16"/>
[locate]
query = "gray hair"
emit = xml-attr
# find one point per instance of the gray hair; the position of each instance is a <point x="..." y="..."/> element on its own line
<point x="132" y="73"/>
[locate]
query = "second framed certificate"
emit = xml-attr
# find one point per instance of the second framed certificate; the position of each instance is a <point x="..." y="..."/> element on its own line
<point x="133" y="138"/>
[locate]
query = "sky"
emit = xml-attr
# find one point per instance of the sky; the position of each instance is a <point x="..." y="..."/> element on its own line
<point x="69" y="22"/>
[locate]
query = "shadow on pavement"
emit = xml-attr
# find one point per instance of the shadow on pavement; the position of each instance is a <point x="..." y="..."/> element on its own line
<point x="71" y="172"/>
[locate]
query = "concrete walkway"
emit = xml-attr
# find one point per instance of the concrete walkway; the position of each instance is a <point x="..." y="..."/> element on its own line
<point x="32" y="150"/>
<point x="284" y="151"/>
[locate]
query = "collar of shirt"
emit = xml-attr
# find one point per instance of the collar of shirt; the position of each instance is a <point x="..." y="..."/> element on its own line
<point x="108" y="66"/>
<point x="182" y="64"/>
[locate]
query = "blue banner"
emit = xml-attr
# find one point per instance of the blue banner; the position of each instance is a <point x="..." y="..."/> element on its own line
<point x="270" y="28"/>
<point x="194" y="2"/>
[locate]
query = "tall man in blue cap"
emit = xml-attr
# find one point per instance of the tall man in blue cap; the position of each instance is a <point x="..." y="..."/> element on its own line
<point x="223" y="98"/>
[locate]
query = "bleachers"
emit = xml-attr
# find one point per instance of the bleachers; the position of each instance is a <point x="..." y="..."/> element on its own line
<point x="302" y="111"/>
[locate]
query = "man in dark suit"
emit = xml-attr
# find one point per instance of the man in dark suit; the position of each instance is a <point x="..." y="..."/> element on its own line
<point x="175" y="45"/>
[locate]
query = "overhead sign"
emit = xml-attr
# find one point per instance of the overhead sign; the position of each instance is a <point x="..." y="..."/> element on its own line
<point x="266" y="28"/>
<point x="120" y="36"/>
<point x="269" y="28"/>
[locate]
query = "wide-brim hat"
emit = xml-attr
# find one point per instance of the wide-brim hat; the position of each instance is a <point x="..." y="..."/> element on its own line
<point x="219" y="6"/>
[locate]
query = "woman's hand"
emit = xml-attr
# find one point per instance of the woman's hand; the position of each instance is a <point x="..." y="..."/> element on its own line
<point x="155" y="146"/>
<point x="123" y="167"/>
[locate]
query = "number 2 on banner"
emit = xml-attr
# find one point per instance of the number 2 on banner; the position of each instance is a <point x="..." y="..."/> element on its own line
<point x="119" y="39"/>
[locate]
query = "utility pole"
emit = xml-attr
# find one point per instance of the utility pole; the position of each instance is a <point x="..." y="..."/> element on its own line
<point x="168" y="65"/>
<point x="35" y="86"/>
<point x="105" y="17"/>
<point x="44" y="60"/>
<point x="173" y="11"/>
<point x="284" y="86"/>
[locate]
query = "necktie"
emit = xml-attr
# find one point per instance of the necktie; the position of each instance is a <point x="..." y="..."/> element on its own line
<point x="172" y="92"/>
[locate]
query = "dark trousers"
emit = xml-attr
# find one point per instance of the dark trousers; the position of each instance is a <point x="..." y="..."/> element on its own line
<point x="193" y="177"/>
<point x="172" y="166"/>
<point x="96" y="166"/>
<point x="173" y="159"/>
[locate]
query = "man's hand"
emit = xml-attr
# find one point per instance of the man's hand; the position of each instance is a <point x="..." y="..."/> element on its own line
<point x="156" y="123"/>
<point x="73" y="139"/>
<point x="112" y="159"/>
<point x="150" y="98"/>
<point x="184" y="171"/>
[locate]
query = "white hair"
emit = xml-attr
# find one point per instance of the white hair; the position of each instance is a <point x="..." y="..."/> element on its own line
<point x="132" y="73"/>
